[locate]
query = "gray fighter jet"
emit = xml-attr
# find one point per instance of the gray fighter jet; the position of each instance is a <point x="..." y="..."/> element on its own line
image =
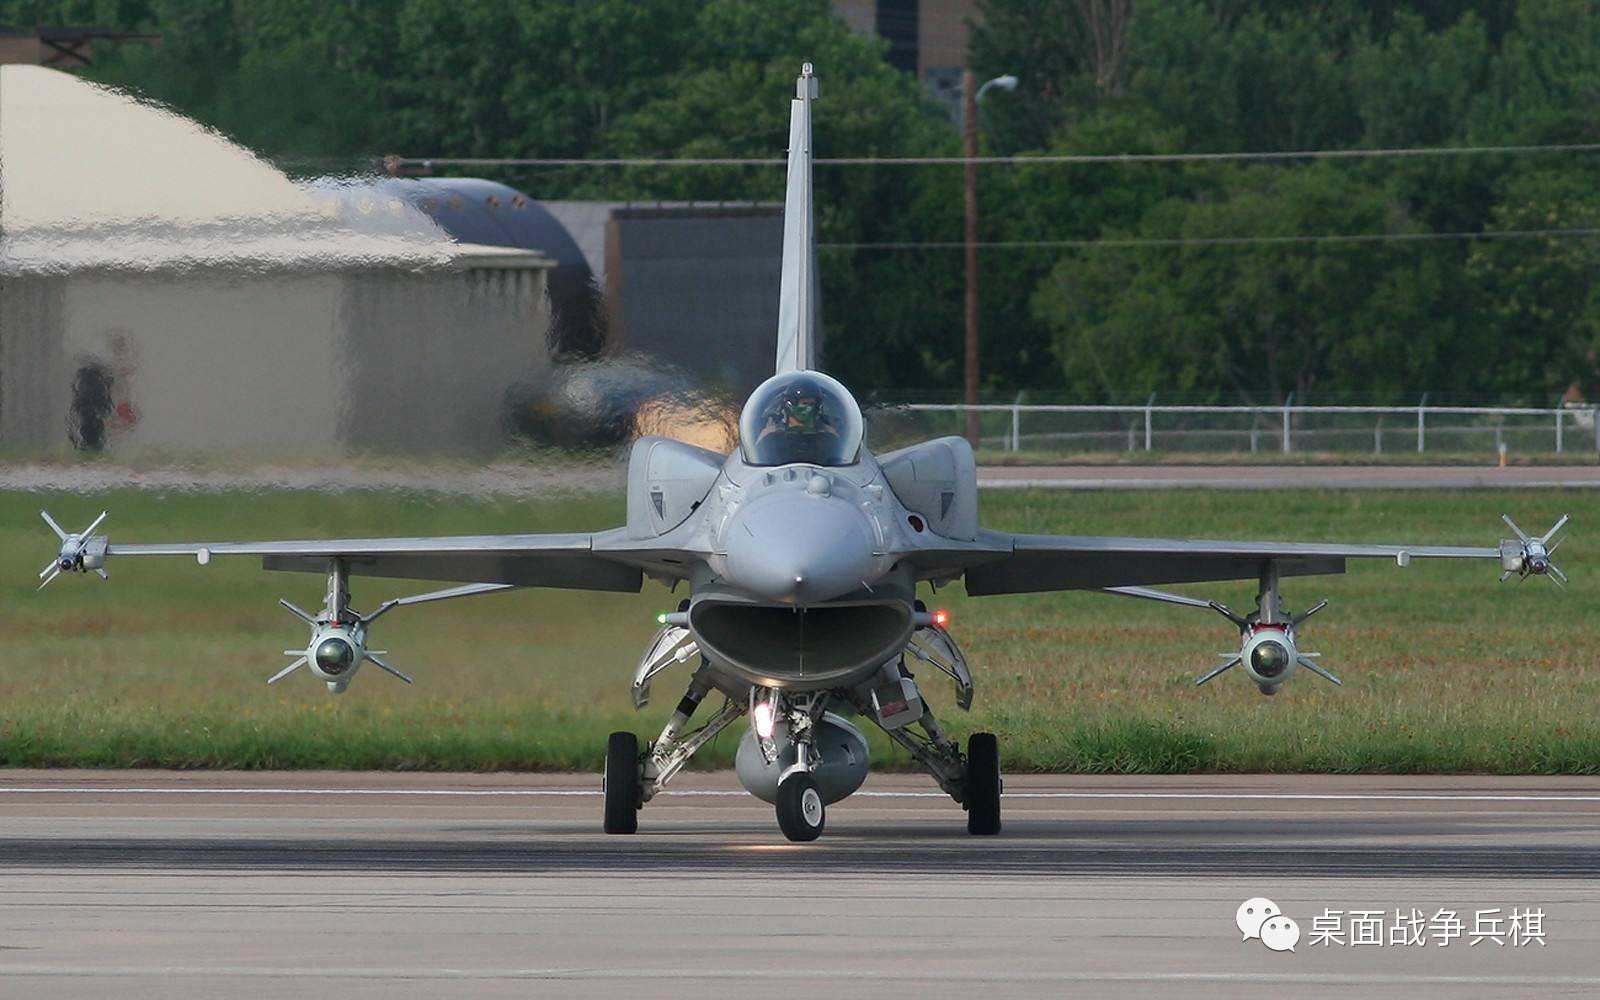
<point x="804" y="556"/>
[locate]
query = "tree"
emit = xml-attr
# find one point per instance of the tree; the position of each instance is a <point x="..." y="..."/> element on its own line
<point x="1248" y="323"/>
<point x="1541" y="296"/>
<point x="325" y="87"/>
<point x="329" y="86"/>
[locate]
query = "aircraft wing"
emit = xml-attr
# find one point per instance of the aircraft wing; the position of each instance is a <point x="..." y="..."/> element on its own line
<point x="550" y="560"/>
<point x="1037" y="563"/>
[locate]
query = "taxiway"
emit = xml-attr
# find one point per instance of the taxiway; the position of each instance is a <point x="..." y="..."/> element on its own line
<point x="147" y="884"/>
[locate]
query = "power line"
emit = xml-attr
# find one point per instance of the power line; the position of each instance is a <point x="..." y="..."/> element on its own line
<point x="479" y="161"/>
<point x="1136" y="242"/>
<point x="1030" y="160"/>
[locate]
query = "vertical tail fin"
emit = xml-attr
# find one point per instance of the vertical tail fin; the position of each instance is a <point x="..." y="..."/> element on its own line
<point x="798" y="299"/>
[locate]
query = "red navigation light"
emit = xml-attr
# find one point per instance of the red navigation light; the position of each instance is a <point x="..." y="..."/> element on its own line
<point x="941" y="618"/>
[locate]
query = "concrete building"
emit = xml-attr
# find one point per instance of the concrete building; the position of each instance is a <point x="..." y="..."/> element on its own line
<point x="488" y="213"/>
<point x="164" y="288"/>
<point x="692" y="285"/>
<point x="926" y="37"/>
<point x="698" y="284"/>
<point x="63" y="48"/>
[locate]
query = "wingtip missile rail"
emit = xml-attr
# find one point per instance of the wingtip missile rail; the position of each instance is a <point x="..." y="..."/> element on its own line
<point x="80" y="552"/>
<point x="1527" y="555"/>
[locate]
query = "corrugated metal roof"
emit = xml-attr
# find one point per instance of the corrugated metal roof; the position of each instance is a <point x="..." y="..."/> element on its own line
<point x="480" y="211"/>
<point x="91" y="177"/>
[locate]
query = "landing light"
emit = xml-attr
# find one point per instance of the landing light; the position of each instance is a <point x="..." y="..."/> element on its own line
<point x="763" y="717"/>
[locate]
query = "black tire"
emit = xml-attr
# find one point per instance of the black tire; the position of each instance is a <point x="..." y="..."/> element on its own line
<point x="622" y="783"/>
<point x="983" y="785"/>
<point x="801" y="812"/>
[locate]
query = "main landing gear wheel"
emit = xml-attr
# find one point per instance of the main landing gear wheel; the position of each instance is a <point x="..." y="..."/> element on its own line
<point x="622" y="783"/>
<point x="801" y="814"/>
<point x="983" y="784"/>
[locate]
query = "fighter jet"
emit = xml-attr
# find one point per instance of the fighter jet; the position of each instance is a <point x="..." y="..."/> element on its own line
<point x="805" y="559"/>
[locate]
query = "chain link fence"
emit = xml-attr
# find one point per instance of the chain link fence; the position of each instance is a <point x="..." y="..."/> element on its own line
<point x="1290" y="429"/>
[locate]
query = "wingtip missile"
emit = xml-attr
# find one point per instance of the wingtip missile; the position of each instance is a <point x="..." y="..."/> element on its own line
<point x="1526" y="555"/>
<point x="80" y="552"/>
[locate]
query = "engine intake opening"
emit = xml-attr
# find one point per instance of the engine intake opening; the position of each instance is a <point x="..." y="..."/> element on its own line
<point x="814" y="646"/>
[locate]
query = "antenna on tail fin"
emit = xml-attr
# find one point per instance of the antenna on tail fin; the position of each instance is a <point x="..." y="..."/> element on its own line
<point x="798" y="299"/>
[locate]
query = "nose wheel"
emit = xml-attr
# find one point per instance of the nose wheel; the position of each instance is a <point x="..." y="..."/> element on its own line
<point x="983" y="784"/>
<point x="622" y="784"/>
<point x="801" y="814"/>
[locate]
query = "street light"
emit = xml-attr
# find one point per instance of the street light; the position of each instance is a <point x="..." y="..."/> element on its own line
<point x="971" y="94"/>
<point x="1007" y="82"/>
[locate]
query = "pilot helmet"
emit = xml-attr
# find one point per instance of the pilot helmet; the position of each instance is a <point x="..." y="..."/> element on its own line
<point x="800" y="406"/>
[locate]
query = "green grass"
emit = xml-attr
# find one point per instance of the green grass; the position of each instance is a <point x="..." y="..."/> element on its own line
<point x="1444" y="669"/>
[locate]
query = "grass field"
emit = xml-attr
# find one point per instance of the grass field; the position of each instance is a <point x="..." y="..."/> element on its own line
<point x="1444" y="669"/>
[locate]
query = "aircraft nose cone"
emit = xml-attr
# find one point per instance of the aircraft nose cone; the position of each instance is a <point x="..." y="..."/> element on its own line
<point x="799" y="547"/>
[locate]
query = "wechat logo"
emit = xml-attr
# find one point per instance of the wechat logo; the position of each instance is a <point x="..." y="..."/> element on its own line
<point x="1259" y="917"/>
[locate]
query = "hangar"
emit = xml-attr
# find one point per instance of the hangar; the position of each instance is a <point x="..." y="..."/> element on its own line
<point x="163" y="288"/>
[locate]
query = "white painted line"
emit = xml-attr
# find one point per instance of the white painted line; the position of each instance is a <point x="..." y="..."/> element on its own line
<point x="732" y="793"/>
<point x="457" y="792"/>
<point x="1312" y="796"/>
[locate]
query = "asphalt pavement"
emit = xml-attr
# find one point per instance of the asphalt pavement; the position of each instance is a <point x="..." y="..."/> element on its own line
<point x="219" y="884"/>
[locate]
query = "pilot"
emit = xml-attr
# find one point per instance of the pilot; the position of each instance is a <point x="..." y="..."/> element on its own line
<point x="798" y="410"/>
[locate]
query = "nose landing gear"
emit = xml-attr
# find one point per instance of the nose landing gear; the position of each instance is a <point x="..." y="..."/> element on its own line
<point x="801" y="813"/>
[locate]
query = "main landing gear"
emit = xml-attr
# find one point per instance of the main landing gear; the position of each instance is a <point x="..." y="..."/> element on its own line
<point x="981" y="787"/>
<point x="801" y="809"/>
<point x="972" y="779"/>
<point x="802" y="757"/>
<point x="622" y="786"/>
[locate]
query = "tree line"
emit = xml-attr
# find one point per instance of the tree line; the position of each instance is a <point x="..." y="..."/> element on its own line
<point x="1196" y="283"/>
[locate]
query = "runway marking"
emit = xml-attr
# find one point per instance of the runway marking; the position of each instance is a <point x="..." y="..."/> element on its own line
<point x="732" y="793"/>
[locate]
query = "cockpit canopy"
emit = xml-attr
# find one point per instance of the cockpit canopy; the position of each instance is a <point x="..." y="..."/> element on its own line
<point x="800" y="417"/>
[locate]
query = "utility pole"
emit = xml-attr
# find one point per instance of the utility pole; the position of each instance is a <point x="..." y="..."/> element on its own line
<point x="970" y="170"/>
<point x="971" y="97"/>
<point x="969" y="131"/>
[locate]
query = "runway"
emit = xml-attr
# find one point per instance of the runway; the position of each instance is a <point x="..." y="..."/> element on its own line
<point x="143" y="884"/>
<point x="1288" y="477"/>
